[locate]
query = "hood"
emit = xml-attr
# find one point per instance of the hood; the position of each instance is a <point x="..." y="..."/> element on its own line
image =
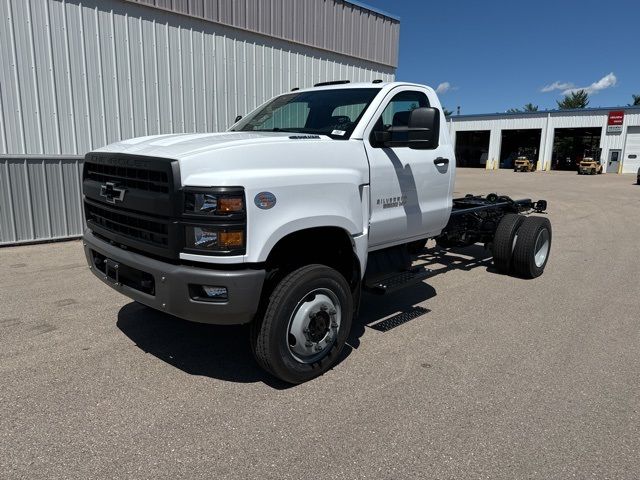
<point x="248" y="158"/>
<point x="184" y="145"/>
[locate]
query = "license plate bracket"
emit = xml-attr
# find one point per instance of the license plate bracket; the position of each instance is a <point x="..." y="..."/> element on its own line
<point x="111" y="271"/>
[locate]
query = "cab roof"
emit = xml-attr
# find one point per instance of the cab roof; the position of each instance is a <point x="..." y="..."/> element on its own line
<point x="340" y="86"/>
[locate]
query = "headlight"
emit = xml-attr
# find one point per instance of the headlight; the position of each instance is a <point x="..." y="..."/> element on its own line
<point x="212" y="203"/>
<point x="214" y="239"/>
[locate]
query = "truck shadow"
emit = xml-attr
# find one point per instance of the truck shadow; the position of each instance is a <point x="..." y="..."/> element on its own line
<point x="384" y="313"/>
<point x="215" y="351"/>
<point x="442" y="260"/>
<point x="223" y="352"/>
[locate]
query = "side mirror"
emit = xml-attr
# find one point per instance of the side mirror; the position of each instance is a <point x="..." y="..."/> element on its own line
<point x="238" y="118"/>
<point x="421" y="133"/>
<point x="424" y="128"/>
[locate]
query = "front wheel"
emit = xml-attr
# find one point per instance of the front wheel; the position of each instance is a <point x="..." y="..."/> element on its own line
<point x="305" y="325"/>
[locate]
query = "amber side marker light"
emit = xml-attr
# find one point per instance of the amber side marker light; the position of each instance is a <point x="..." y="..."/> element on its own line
<point x="231" y="239"/>
<point x="230" y="204"/>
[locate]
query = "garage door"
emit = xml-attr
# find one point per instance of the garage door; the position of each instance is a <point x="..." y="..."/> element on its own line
<point x="631" y="161"/>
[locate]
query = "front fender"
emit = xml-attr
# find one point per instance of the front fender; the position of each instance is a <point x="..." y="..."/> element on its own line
<point x="281" y="231"/>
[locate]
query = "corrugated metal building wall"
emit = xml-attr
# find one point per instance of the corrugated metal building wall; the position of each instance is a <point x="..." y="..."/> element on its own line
<point x="76" y="75"/>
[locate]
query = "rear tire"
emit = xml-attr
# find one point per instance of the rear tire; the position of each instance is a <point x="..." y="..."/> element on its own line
<point x="533" y="247"/>
<point x="285" y="342"/>
<point x="504" y="241"/>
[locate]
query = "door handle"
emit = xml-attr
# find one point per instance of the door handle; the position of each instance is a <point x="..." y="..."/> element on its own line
<point x="441" y="161"/>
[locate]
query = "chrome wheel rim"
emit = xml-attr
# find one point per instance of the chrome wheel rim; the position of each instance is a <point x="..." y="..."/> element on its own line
<point x="542" y="247"/>
<point x="313" y="326"/>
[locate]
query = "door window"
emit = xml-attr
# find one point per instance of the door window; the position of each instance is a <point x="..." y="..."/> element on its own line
<point x="396" y="113"/>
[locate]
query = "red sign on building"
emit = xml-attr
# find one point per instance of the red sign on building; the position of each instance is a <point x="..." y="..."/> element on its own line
<point x="616" y="118"/>
<point x="615" y="121"/>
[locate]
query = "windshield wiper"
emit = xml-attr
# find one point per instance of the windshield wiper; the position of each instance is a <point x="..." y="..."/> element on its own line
<point x="275" y="129"/>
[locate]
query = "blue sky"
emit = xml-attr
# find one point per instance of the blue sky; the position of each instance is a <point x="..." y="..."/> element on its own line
<point x="499" y="54"/>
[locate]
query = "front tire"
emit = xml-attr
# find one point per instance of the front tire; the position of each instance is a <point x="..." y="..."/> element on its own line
<point x="305" y="324"/>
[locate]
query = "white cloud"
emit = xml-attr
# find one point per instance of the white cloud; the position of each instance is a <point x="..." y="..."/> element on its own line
<point x="567" y="88"/>
<point x="557" y="86"/>
<point x="605" y="82"/>
<point x="445" y="87"/>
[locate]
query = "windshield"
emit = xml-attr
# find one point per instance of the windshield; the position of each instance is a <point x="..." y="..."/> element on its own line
<point x="333" y="112"/>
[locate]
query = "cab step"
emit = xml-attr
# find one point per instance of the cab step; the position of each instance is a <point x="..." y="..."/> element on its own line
<point x="397" y="281"/>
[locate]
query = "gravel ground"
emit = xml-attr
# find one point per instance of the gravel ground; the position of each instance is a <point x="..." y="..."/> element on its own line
<point x="495" y="377"/>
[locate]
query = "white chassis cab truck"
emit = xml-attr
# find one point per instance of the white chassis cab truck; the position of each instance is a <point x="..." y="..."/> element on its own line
<point x="282" y="221"/>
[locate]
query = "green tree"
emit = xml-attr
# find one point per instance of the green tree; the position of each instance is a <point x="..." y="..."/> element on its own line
<point x="447" y="112"/>
<point x="577" y="99"/>
<point x="636" y="101"/>
<point x="529" y="107"/>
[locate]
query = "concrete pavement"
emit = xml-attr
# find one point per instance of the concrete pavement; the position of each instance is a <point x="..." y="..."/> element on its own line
<point x="495" y="377"/>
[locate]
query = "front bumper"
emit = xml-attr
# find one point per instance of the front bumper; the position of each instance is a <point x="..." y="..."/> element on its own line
<point x="167" y="286"/>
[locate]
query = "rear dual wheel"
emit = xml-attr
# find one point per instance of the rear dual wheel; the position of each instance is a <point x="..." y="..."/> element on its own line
<point x="504" y="241"/>
<point x="522" y="245"/>
<point x="532" y="247"/>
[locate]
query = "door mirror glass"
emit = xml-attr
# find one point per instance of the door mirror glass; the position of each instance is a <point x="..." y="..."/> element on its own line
<point x="424" y="128"/>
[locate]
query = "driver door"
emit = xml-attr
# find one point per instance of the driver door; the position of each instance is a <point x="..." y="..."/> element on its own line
<point x="410" y="189"/>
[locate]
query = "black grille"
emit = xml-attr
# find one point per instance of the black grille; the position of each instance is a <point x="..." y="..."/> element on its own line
<point x="129" y="225"/>
<point x="129" y="177"/>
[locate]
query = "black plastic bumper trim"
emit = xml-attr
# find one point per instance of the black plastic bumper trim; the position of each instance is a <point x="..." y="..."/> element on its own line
<point x="172" y="285"/>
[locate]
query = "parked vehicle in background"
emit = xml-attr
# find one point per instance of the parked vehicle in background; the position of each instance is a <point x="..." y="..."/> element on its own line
<point x="590" y="164"/>
<point x="285" y="219"/>
<point x="523" y="164"/>
<point x="525" y="161"/>
<point x="638" y="178"/>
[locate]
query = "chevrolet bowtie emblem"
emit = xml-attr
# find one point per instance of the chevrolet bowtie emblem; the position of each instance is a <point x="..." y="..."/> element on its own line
<point x="111" y="192"/>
